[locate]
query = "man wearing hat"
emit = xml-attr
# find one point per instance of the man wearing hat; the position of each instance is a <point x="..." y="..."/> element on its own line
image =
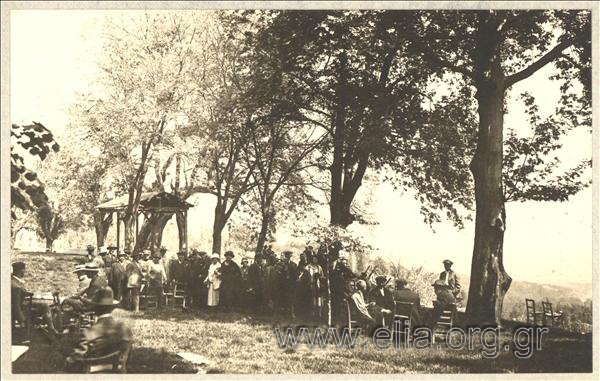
<point x="339" y="277"/>
<point x="383" y="299"/>
<point x="402" y="294"/>
<point x="177" y="271"/>
<point x="90" y="254"/>
<point x="83" y="279"/>
<point x="118" y="276"/>
<point x="18" y="294"/>
<point x="445" y="300"/>
<point x="157" y="278"/>
<point x="449" y="277"/>
<point x="105" y="336"/>
<point x="80" y="302"/>
<point x="231" y="282"/>
<point x="134" y="282"/>
<point x="256" y="283"/>
<point x="286" y="275"/>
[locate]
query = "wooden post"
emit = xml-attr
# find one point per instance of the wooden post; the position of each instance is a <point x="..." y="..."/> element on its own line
<point x="118" y="230"/>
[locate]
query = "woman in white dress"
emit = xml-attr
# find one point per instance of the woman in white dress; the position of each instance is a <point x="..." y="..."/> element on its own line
<point x="213" y="281"/>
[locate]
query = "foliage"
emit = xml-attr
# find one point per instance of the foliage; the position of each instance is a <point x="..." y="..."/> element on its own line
<point x="26" y="189"/>
<point x="50" y="224"/>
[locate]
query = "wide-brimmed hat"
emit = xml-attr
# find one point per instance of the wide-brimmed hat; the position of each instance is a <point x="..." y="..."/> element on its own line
<point x="104" y="297"/>
<point x="102" y="249"/>
<point x="215" y="256"/>
<point x="287" y="253"/>
<point x="229" y="254"/>
<point x="91" y="267"/>
<point x="448" y="262"/>
<point x="111" y="247"/>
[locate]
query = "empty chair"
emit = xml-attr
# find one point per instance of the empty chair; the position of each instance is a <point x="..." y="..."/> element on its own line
<point x="533" y="317"/>
<point x="551" y="318"/>
<point x="179" y="296"/>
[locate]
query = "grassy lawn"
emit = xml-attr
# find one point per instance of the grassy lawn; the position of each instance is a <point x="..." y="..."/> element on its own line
<point x="239" y="343"/>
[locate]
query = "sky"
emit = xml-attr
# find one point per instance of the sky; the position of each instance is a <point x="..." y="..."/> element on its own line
<point x="53" y="57"/>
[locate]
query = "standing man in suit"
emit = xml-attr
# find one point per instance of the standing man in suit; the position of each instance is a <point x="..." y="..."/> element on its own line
<point x="449" y="278"/>
<point x="382" y="299"/>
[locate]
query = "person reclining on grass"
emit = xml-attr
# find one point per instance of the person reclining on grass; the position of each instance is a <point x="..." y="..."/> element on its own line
<point x="80" y="302"/>
<point x="19" y="304"/>
<point x="104" y="337"/>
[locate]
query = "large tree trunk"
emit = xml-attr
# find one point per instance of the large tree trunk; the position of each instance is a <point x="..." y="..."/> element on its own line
<point x="218" y="225"/>
<point x="262" y="234"/>
<point x="101" y="226"/>
<point x="129" y="232"/>
<point x="180" y="219"/>
<point x="49" y="242"/>
<point x="489" y="282"/>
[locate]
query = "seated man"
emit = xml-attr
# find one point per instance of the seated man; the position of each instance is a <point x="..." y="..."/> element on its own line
<point x="363" y="316"/>
<point x="102" y="338"/>
<point x="445" y="301"/>
<point x="402" y="294"/>
<point x="81" y="302"/>
<point x="382" y="299"/>
<point x="19" y="305"/>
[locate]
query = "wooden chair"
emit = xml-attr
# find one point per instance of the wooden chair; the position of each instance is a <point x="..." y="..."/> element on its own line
<point x="445" y="321"/>
<point x="148" y="301"/>
<point x="554" y="318"/>
<point x="403" y="315"/>
<point x="114" y="362"/>
<point x="533" y="317"/>
<point x="179" y="295"/>
<point x="353" y="324"/>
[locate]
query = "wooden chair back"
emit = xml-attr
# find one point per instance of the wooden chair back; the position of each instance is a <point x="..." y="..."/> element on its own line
<point x="114" y="362"/>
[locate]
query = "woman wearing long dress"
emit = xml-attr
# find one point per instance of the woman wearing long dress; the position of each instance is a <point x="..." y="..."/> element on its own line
<point x="315" y="275"/>
<point x="213" y="281"/>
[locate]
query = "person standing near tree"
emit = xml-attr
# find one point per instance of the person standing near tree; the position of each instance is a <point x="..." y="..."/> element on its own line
<point x="450" y="279"/>
<point x="118" y="276"/>
<point x="287" y="273"/>
<point x="213" y="281"/>
<point x="134" y="282"/>
<point x="256" y="284"/>
<point x="157" y="279"/>
<point x="231" y="281"/>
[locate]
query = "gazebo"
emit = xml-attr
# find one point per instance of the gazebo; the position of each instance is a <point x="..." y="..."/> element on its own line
<point x="150" y="202"/>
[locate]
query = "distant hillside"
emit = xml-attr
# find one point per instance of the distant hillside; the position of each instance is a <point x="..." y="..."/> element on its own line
<point x="574" y="293"/>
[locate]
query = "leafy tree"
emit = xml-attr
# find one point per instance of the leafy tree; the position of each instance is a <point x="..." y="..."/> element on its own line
<point x="490" y="51"/>
<point x="50" y="225"/>
<point x="350" y="74"/>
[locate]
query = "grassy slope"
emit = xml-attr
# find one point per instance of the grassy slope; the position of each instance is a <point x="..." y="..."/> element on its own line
<point x="237" y="343"/>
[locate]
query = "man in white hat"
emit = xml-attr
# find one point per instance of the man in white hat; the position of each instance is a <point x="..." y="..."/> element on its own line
<point x="105" y="336"/>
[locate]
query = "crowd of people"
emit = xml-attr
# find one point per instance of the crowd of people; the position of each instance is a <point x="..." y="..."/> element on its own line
<point x="270" y="284"/>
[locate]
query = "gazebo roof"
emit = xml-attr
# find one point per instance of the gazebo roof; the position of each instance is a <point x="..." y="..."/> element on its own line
<point x="149" y="201"/>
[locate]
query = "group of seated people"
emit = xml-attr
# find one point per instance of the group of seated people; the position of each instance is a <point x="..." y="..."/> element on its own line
<point x="378" y="306"/>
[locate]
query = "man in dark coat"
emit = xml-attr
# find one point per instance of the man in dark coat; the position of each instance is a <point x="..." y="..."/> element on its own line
<point x="402" y="294"/>
<point x="104" y="337"/>
<point x="445" y="300"/>
<point x="287" y="277"/>
<point x="339" y="276"/>
<point x="177" y="271"/>
<point x="383" y="301"/>
<point x="257" y="284"/>
<point x="118" y="276"/>
<point x="82" y="303"/>
<point x="231" y="281"/>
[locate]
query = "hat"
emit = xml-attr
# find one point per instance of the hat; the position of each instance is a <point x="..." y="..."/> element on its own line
<point x="79" y="268"/>
<point x="401" y="282"/>
<point x="146" y="252"/>
<point x="380" y="279"/>
<point x="448" y="262"/>
<point x="104" y="297"/>
<point x="90" y="247"/>
<point x="162" y="248"/>
<point x="136" y="254"/>
<point x="17" y="266"/>
<point x="215" y="256"/>
<point x="342" y="254"/>
<point x="112" y="247"/>
<point x="101" y="249"/>
<point x="287" y="253"/>
<point x="127" y="251"/>
<point x="91" y="267"/>
<point x="229" y="254"/>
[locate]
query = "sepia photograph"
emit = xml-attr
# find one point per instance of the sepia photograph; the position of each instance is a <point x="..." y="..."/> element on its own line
<point x="299" y="188"/>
